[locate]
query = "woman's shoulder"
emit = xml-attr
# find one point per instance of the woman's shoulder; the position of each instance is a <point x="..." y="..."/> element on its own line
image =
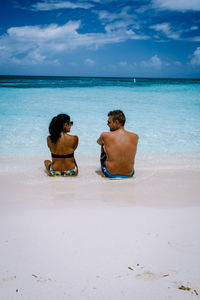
<point x="74" y="139"/>
<point x="69" y="136"/>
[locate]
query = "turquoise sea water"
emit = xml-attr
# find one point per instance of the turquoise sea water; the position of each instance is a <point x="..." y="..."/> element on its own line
<point x="164" y="112"/>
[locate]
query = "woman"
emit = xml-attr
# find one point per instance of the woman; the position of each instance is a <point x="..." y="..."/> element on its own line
<point x="62" y="146"/>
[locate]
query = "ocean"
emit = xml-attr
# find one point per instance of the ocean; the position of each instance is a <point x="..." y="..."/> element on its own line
<point x="165" y="113"/>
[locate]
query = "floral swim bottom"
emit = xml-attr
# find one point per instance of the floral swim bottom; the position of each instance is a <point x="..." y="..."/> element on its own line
<point x="52" y="172"/>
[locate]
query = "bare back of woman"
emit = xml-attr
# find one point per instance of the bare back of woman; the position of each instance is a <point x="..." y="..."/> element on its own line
<point x="62" y="146"/>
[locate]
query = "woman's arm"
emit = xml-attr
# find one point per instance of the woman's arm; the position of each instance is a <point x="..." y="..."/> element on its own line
<point x="48" y="141"/>
<point x="75" y="141"/>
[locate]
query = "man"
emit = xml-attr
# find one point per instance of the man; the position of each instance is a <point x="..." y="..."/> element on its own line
<point x="118" y="147"/>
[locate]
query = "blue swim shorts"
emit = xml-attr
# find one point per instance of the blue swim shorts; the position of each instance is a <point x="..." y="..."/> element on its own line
<point x="108" y="174"/>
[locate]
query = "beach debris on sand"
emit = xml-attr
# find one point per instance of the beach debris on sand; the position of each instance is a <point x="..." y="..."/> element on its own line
<point x="40" y="279"/>
<point x="133" y="268"/>
<point x="186" y="288"/>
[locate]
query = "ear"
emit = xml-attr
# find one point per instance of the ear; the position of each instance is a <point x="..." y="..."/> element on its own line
<point x="65" y="127"/>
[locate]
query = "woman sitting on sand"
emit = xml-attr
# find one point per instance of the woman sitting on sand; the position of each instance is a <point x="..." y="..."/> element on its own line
<point x="62" y="146"/>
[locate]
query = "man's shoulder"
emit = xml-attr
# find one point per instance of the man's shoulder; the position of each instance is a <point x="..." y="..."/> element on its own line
<point x="106" y="134"/>
<point x="133" y="134"/>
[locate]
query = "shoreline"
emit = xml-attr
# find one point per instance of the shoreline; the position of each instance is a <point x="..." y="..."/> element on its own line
<point x="155" y="178"/>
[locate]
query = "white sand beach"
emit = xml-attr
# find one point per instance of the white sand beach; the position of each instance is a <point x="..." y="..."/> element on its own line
<point x="94" y="238"/>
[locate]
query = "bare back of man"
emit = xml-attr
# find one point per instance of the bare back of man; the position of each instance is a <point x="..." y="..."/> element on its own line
<point x="120" y="146"/>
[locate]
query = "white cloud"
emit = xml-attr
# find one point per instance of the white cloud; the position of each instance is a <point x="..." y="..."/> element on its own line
<point x="195" y="39"/>
<point x="141" y="9"/>
<point x="53" y="5"/>
<point x="166" y="29"/>
<point x="177" y="5"/>
<point x="156" y="63"/>
<point x="123" y="64"/>
<point x="46" y="33"/>
<point x="195" y="60"/>
<point x="90" y="62"/>
<point x="153" y="62"/>
<point x="194" y="28"/>
<point x="109" y="17"/>
<point x="177" y="63"/>
<point x="42" y="44"/>
<point x="122" y="22"/>
<point x="120" y="19"/>
<point x="119" y="25"/>
<point x="115" y="25"/>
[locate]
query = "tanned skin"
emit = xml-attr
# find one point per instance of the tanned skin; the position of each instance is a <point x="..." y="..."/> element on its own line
<point x="120" y="146"/>
<point x="66" y="144"/>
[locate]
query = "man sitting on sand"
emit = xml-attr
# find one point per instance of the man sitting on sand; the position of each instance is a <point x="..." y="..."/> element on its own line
<point x="118" y="147"/>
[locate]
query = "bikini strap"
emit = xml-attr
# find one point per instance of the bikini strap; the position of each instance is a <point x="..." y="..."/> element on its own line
<point x="62" y="156"/>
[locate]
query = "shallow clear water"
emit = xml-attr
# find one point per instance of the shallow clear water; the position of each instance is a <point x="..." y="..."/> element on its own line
<point x="164" y="112"/>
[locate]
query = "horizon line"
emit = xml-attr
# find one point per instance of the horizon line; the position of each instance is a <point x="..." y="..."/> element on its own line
<point x="84" y="76"/>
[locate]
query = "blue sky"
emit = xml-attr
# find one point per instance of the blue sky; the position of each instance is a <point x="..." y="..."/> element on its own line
<point x="147" y="38"/>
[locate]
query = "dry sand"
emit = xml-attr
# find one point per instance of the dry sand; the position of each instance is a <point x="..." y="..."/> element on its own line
<point x="94" y="238"/>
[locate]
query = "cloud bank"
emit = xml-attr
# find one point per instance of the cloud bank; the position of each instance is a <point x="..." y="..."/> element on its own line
<point x="37" y="44"/>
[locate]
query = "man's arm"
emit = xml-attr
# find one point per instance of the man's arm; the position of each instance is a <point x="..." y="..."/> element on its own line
<point x="100" y="140"/>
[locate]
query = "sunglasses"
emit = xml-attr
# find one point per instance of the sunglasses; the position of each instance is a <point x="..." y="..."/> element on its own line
<point x="71" y="123"/>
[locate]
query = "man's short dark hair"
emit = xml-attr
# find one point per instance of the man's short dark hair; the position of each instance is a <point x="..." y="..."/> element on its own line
<point x="117" y="115"/>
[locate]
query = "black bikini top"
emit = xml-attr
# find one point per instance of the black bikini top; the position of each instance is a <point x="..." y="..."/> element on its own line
<point x="62" y="156"/>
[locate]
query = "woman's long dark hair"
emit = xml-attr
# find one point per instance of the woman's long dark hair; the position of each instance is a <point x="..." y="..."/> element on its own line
<point x="56" y="126"/>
